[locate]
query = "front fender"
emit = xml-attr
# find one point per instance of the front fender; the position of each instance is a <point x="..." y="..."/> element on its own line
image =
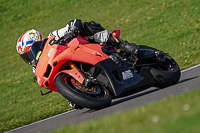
<point x="74" y="73"/>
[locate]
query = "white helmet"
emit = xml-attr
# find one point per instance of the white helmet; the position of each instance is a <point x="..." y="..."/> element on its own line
<point x="25" y="42"/>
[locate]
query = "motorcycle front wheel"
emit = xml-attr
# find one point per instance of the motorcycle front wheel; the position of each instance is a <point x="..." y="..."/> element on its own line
<point x="94" y="96"/>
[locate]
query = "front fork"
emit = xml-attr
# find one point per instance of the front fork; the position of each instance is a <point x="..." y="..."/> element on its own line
<point x="87" y="80"/>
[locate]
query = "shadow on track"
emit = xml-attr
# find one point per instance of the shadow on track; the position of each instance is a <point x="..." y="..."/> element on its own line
<point x="188" y="79"/>
<point x="138" y="93"/>
<point x="133" y="96"/>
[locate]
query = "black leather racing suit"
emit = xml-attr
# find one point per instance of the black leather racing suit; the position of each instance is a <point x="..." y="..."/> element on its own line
<point x="94" y="32"/>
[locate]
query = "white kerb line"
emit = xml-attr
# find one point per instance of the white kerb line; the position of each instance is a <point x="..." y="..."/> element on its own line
<point x="40" y="121"/>
<point x="191" y="68"/>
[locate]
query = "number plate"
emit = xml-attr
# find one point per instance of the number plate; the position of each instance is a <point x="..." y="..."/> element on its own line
<point x="127" y="74"/>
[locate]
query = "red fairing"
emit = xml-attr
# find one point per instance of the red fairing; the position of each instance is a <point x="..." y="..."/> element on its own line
<point x="54" y="56"/>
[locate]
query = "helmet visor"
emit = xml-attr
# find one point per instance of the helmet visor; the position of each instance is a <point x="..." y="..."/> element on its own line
<point x="28" y="57"/>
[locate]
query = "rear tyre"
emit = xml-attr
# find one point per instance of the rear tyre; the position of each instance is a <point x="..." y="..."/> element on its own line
<point x="95" y="97"/>
<point x="166" y="74"/>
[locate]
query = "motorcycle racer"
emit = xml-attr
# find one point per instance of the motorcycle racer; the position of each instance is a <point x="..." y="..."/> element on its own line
<point x="91" y="31"/>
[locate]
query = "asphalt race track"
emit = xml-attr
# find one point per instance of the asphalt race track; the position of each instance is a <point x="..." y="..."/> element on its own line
<point x="190" y="80"/>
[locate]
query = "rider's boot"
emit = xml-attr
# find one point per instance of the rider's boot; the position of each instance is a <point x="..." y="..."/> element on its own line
<point x="129" y="48"/>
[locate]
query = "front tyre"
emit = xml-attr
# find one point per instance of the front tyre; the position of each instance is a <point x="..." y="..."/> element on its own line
<point x="93" y="97"/>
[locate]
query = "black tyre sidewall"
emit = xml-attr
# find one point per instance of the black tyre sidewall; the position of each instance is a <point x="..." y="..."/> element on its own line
<point x="164" y="78"/>
<point x="79" y="99"/>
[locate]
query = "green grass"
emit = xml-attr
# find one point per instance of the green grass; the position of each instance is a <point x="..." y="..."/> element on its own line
<point x="173" y="26"/>
<point x="178" y="114"/>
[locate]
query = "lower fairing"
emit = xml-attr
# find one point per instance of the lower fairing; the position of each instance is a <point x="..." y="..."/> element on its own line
<point x="120" y="79"/>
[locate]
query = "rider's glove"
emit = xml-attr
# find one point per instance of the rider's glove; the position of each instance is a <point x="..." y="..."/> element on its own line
<point x="74" y="29"/>
<point x="72" y="33"/>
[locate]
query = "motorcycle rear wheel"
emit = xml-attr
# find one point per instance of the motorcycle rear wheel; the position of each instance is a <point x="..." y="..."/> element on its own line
<point x="167" y="73"/>
<point x="67" y="88"/>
